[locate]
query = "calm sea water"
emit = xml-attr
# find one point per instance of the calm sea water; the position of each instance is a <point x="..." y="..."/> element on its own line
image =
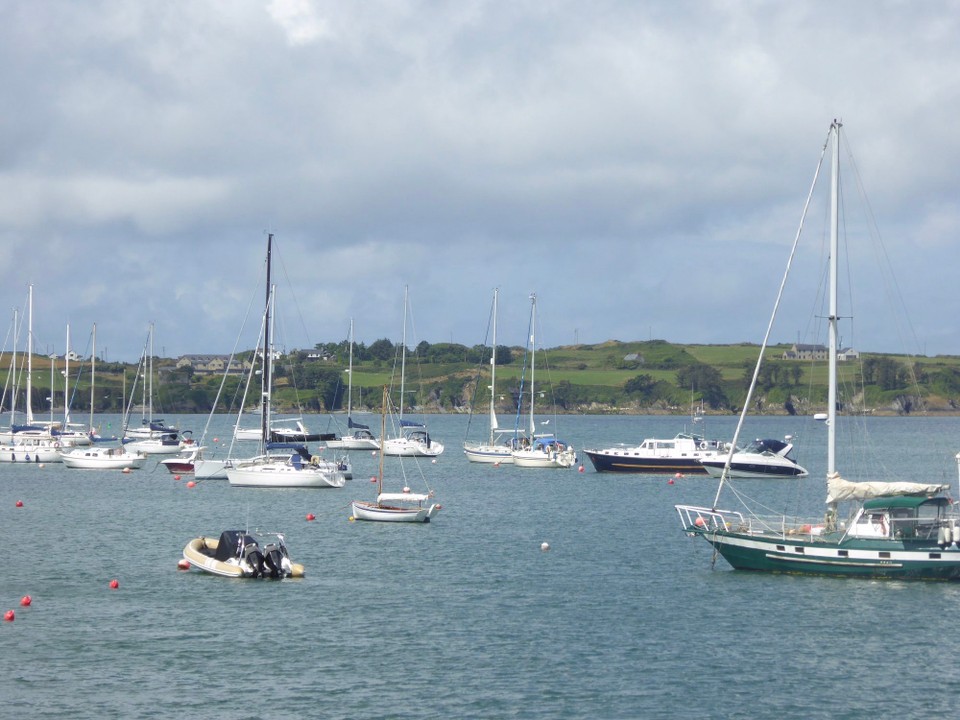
<point x="464" y="617"/>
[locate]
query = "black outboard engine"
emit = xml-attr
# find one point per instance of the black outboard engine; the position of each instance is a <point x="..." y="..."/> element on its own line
<point x="272" y="561"/>
<point x="254" y="558"/>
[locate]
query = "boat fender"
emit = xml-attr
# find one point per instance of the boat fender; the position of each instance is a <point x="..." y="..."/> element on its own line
<point x="942" y="537"/>
<point x="947" y="536"/>
<point x="315" y="460"/>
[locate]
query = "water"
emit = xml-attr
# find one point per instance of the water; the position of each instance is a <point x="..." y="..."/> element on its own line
<point x="466" y="616"/>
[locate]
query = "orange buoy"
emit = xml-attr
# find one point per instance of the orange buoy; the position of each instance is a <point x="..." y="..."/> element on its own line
<point x="8" y="616"/>
<point x="26" y="600"/>
<point x="126" y="471"/>
<point x="114" y="584"/>
<point x="19" y="503"/>
<point x="311" y="517"/>
<point x="373" y="479"/>
<point x="183" y="564"/>
<point x="699" y="522"/>
<point x="670" y="481"/>
<point x="176" y="477"/>
<point x="191" y="484"/>
<point x="580" y="469"/>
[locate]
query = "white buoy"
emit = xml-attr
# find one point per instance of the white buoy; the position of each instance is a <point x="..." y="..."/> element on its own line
<point x="544" y="546"/>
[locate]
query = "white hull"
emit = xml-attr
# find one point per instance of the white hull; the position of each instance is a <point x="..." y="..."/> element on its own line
<point x="26" y="453"/>
<point x="405" y="447"/>
<point x="377" y="513"/>
<point x="350" y="443"/>
<point x="102" y="459"/>
<point x="152" y="447"/>
<point x="491" y="454"/>
<point x="540" y="459"/>
<point x="283" y="474"/>
<point x="211" y="469"/>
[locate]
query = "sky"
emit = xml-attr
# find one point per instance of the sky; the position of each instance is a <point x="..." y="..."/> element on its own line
<point x="641" y="166"/>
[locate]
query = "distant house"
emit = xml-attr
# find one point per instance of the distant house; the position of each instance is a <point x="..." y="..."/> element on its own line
<point x="313" y="356"/>
<point x="806" y="352"/>
<point x="72" y="356"/>
<point x="818" y="352"/>
<point x="633" y="358"/>
<point x="211" y="364"/>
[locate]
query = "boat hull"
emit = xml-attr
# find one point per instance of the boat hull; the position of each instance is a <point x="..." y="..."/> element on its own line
<point x="535" y="459"/>
<point x="98" y="459"/>
<point x="490" y="454"/>
<point x="620" y="462"/>
<point x="852" y="557"/>
<point x="404" y="447"/>
<point x="283" y="475"/>
<point x="758" y="470"/>
<point x="385" y="513"/>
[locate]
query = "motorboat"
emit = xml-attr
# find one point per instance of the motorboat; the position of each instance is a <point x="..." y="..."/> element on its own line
<point x="763" y="458"/>
<point x="103" y="458"/>
<point x="684" y="454"/>
<point x="241" y="554"/>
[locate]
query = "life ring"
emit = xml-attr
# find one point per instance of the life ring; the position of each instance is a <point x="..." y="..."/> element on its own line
<point x="56" y="445"/>
<point x="315" y="460"/>
<point x="703" y="446"/>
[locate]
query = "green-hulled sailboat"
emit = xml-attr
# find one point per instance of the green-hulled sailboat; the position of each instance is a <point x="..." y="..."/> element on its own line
<point x="901" y="530"/>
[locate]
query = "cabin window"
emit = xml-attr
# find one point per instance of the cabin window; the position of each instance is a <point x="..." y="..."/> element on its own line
<point x="843" y="553"/>
<point x="934" y="556"/>
<point x="885" y="555"/>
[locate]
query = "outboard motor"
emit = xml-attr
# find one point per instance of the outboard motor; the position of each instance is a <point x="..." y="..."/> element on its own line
<point x="254" y="558"/>
<point x="272" y="561"/>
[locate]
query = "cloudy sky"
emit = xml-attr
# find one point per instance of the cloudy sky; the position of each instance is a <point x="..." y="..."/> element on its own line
<point x="641" y="166"/>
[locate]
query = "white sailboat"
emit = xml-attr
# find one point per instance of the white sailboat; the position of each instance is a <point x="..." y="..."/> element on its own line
<point x="541" y="450"/>
<point x="405" y="506"/>
<point x="279" y="465"/>
<point x="34" y="441"/>
<point x="360" y="437"/>
<point x="412" y="439"/>
<point x="494" y="450"/>
<point x="153" y="437"/>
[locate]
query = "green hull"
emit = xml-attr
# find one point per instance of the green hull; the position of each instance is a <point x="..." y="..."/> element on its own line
<point x="828" y="556"/>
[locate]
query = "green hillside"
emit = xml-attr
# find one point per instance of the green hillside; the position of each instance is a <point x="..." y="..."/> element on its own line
<point x="612" y="377"/>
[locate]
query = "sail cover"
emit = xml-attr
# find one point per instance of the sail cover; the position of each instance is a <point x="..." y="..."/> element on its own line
<point x="839" y="489"/>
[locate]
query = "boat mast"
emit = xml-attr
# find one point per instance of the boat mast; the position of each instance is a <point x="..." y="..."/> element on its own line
<point x="383" y="434"/>
<point x="266" y="383"/>
<point x="93" y="372"/>
<point x="493" y="371"/>
<point x="66" y="383"/>
<point x="834" y="245"/>
<point x="14" y="386"/>
<point x="403" y="355"/>
<point x="29" y="399"/>
<point x="533" y="361"/>
<point x="350" y="375"/>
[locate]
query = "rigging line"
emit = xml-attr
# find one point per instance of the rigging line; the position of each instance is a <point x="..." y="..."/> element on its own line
<point x="773" y="315"/>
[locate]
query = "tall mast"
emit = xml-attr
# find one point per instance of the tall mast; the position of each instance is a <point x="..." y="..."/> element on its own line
<point x="350" y="375"/>
<point x="834" y="246"/>
<point x="93" y="372"/>
<point x="533" y="360"/>
<point x="493" y="371"/>
<point x="267" y="366"/>
<point x="66" y="382"/>
<point x="14" y="386"/>
<point x="383" y="434"/>
<point x="29" y="399"/>
<point x="403" y="354"/>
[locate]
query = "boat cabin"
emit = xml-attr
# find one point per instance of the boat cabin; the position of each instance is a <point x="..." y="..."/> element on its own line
<point x="901" y="517"/>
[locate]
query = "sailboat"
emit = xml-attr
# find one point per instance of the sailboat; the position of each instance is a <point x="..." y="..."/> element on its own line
<point x="279" y="465"/>
<point x="153" y="437"/>
<point x="413" y="439"/>
<point x="494" y="450"/>
<point x="360" y="438"/>
<point x="541" y="450"/>
<point x="904" y="530"/>
<point x="32" y="442"/>
<point x="404" y="506"/>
